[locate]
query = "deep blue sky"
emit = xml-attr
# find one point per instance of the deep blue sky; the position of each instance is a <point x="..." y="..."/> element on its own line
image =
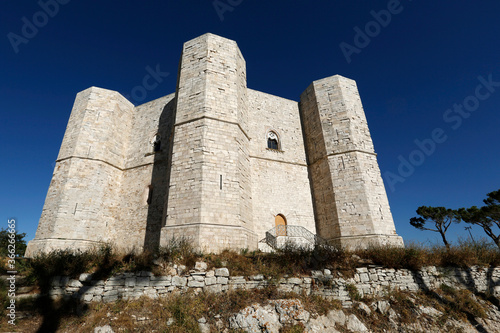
<point x="425" y="60"/>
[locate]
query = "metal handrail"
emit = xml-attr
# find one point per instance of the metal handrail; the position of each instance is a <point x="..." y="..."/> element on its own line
<point x="292" y="231"/>
<point x="271" y="240"/>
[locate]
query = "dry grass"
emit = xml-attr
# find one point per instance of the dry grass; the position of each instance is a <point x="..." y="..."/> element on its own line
<point x="180" y="312"/>
<point x="460" y="303"/>
<point x="317" y="304"/>
<point x="293" y="329"/>
<point x="291" y="260"/>
<point x="72" y="263"/>
<point x="404" y="303"/>
<point x="453" y="304"/>
<point x="415" y="256"/>
<point x="353" y="292"/>
<point x="174" y="313"/>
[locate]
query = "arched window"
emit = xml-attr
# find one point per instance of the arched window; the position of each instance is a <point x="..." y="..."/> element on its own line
<point x="156" y="143"/>
<point x="272" y="141"/>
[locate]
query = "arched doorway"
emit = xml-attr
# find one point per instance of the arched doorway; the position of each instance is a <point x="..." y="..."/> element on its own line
<point x="280" y="223"/>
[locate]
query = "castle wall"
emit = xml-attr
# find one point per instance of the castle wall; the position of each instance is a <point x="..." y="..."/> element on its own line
<point x="149" y="119"/>
<point x="184" y="198"/>
<point x="88" y="207"/>
<point x="325" y="205"/>
<point x="280" y="183"/>
<point x="146" y="174"/>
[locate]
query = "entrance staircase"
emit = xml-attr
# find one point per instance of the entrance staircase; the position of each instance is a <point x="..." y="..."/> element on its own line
<point x="295" y="235"/>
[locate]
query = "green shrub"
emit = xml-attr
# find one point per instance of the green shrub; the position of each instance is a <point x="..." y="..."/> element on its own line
<point x="353" y="292"/>
<point x="20" y="242"/>
<point x="4" y="299"/>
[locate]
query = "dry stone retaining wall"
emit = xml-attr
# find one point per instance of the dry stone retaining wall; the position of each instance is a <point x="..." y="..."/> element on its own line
<point x="369" y="281"/>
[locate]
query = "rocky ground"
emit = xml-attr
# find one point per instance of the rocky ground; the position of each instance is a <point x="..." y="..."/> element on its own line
<point x="377" y="316"/>
<point x="397" y="312"/>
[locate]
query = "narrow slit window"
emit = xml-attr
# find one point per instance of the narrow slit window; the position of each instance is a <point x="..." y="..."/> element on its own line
<point x="150" y="195"/>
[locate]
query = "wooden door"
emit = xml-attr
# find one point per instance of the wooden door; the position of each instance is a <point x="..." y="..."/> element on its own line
<point x="280" y="224"/>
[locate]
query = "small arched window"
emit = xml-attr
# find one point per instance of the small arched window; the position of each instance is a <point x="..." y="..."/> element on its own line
<point x="272" y="141"/>
<point x="156" y="143"/>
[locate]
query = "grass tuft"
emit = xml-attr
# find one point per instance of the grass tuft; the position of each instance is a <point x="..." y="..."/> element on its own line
<point x="353" y="292"/>
<point x="415" y="256"/>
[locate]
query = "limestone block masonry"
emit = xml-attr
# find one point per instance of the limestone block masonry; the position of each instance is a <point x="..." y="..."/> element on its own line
<point x="215" y="162"/>
<point x="369" y="281"/>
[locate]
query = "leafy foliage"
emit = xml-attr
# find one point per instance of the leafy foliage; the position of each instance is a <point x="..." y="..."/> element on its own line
<point x="4" y="243"/>
<point x="487" y="217"/>
<point x="441" y="217"/>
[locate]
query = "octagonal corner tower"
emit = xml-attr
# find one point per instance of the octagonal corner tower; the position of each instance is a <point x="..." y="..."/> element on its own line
<point x="209" y="198"/>
<point x="351" y="206"/>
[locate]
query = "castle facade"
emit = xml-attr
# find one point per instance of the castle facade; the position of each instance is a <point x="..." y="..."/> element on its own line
<point x="215" y="162"/>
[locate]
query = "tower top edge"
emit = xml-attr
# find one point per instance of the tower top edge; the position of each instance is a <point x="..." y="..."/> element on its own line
<point x="98" y="90"/>
<point x="210" y="36"/>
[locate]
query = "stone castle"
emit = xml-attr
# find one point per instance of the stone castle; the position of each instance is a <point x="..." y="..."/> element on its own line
<point x="218" y="163"/>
